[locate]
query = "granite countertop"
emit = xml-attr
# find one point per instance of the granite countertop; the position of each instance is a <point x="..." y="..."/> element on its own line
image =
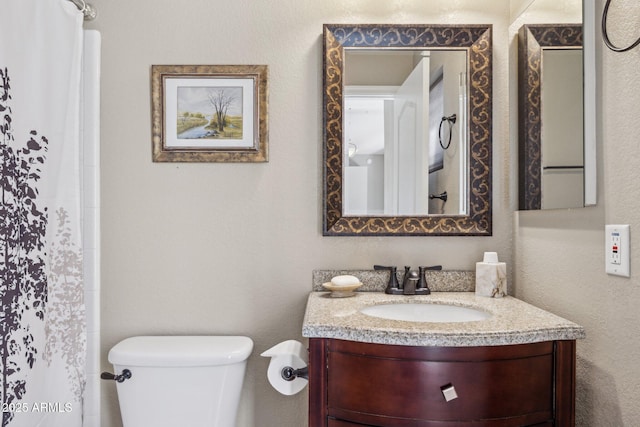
<point x="512" y="321"/>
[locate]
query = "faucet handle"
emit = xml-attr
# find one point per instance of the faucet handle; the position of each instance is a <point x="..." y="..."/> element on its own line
<point x="422" y="288"/>
<point x="392" y="287"/>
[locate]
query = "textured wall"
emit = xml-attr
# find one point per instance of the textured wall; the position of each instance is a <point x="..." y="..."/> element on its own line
<point x="216" y="248"/>
<point x="229" y="248"/>
<point x="559" y="255"/>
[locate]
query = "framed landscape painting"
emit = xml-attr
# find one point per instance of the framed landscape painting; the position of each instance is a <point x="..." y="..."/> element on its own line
<point x="209" y="113"/>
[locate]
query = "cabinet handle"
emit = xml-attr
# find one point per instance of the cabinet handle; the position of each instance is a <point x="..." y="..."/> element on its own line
<point x="449" y="392"/>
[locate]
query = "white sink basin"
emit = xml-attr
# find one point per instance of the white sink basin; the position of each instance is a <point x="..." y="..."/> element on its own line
<point x="416" y="312"/>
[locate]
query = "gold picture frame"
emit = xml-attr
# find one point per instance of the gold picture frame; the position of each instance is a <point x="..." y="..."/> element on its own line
<point x="209" y="113"/>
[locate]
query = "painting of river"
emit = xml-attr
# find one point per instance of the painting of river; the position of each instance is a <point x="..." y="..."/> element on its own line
<point x="209" y="112"/>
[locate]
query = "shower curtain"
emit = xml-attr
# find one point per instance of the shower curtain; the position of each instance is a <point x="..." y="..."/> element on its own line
<point x="42" y="316"/>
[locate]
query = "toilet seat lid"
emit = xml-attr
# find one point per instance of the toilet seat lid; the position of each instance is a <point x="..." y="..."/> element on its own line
<point x="181" y="350"/>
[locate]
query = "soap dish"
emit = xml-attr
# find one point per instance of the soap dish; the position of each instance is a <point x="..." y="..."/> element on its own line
<point x="341" y="291"/>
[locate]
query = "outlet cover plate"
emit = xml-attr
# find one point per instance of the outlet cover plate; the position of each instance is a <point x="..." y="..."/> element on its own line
<point x="617" y="249"/>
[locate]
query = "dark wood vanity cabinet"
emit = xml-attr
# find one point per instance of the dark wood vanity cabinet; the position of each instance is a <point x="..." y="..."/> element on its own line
<point x="360" y="384"/>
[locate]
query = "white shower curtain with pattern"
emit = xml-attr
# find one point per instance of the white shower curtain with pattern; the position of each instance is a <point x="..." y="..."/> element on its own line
<point x="42" y="316"/>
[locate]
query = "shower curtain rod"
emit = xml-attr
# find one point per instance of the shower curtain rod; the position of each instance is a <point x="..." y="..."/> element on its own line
<point x="87" y="9"/>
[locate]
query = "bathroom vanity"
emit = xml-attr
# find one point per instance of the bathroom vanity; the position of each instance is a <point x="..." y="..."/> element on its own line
<point x="515" y="368"/>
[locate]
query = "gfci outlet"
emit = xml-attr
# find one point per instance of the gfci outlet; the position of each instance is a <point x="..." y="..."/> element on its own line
<point x="617" y="249"/>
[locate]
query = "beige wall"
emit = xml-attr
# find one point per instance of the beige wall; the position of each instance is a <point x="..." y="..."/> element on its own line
<point x="229" y="248"/>
<point x="559" y="255"/>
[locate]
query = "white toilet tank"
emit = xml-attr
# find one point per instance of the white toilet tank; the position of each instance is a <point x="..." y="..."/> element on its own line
<point x="193" y="381"/>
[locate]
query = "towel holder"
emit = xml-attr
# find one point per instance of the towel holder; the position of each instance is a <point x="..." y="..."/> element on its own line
<point x="605" y="35"/>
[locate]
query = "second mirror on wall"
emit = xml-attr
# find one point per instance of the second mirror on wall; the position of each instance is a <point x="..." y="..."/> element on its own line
<point x="556" y="103"/>
<point x="551" y="139"/>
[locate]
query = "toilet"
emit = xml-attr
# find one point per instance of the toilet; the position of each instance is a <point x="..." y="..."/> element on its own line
<point x="193" y="381"/>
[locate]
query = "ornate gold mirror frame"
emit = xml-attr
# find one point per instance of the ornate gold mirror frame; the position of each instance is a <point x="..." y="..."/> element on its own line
<point x="477" y="41"/>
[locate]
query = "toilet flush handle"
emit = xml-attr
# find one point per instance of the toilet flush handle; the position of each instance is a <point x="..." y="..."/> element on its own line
<point x="125" y="375"/>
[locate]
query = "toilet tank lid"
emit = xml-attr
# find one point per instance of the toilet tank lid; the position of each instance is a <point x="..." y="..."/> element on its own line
<point x="181" y="350"/>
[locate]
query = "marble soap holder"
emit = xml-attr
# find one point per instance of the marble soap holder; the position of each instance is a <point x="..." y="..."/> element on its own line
<point x="342" y="286"/>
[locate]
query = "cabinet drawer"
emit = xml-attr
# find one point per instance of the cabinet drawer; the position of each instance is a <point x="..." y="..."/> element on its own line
<point x="363" y="387"/>
<point x="339" y="423"/>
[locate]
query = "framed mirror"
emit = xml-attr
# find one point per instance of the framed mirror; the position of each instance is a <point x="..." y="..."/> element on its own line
<point x="551" y="141"/>
<point x="431" y="174"/>
<point x="545" y="129"/>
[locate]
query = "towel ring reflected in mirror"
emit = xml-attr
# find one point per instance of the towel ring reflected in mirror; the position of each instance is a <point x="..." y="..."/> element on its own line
<point x="451" y="120"/>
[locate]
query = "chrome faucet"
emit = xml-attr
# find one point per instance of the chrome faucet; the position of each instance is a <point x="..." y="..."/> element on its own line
<point x="413" y="283"/>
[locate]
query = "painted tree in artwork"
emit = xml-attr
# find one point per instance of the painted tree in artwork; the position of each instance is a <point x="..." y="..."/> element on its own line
<point x="23" y="286"/>
<point x="220" y="100"/>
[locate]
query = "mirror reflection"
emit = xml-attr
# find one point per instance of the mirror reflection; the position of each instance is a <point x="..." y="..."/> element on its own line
<point x="405" y="140"/>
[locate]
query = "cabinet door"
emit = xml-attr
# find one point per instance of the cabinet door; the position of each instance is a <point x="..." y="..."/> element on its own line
<point x="367" y="388"/>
